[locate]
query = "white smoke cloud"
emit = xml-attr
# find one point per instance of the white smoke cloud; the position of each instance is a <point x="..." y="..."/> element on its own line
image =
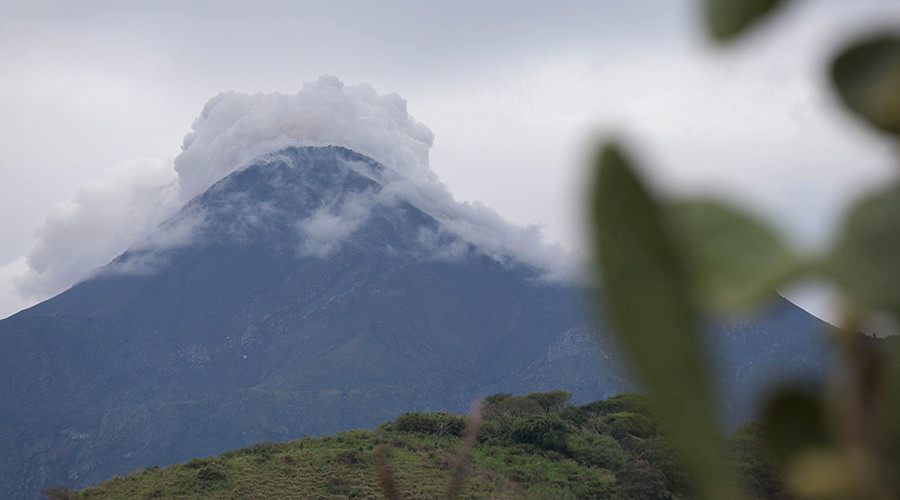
<point x="322" y="232"/>
<point x="11" y="301"/>
<point x="487" y="230"/>
<point x="100" y="221"/>
<point x="106" y="217"/>
<point x="440" y="247"/>
<point x="233" y="129"/>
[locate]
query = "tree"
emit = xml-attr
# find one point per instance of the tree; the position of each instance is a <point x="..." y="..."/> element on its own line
<point x="641" y="480"/>
<point x="59" y="492"/>
<point x="551" y="401"/>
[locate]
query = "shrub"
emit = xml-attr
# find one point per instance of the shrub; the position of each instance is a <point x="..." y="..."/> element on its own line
<point x="491" y="432"/>
<point x="602" y="487"/>
<point x="262" y="450"/>
<point x="630" y="402"/>
<point x="596" y="425"/>
<point x="263" y="447"/>
<point x="198" y="462"/>
<point x="551" y="401"/>
<point x="497" y="398"/>
<point x="515" y="406"/>
<point x="574" y="414"/>
<point x="754" y="465"/>
<point x="436" y="424"/>
<point x="641" y="480"/>
<point x="350" y="457"/>
<point x="212" y="473"/>
<point x="657" y="451"/>
<point x="342" y="487"/>
<point x="597" y="451"/>
<point x="59" y="492"/>
<point x="625" y="423"/>
<point x="548" y="432"/>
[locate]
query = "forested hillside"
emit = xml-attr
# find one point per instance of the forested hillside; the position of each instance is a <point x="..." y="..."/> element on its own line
<point x="532" y="446"/>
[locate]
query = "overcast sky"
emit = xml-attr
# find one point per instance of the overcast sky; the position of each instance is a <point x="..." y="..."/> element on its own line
<point x="514" y="92"/>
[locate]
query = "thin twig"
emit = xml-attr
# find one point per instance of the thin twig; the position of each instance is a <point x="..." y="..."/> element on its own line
<point x="464" y="457"/>
<point x="860" y="400"/>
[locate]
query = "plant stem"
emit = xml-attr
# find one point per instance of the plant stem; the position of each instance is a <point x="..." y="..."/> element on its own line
<point x="859" y="397"/>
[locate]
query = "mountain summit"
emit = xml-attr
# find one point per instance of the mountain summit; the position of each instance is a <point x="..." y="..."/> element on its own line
<point x="311" y="291"/>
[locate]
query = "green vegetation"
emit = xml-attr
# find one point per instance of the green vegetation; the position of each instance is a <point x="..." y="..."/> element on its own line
<point x="665" y="264"/>
<point x="537" y="445"/>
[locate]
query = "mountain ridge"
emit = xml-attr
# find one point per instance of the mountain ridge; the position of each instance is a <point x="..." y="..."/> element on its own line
<point x="299" y="295"/>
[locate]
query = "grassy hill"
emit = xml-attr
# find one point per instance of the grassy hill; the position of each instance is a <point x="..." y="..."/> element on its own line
<point x="533" y="446"/>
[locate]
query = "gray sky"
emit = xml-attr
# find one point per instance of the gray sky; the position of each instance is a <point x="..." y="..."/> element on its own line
<point x="515" y="93"/>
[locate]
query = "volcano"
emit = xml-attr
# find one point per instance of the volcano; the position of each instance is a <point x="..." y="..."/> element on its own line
<point x="311" y="291"/>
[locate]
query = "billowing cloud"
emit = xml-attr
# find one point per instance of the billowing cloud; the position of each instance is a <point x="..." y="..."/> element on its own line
<point x="11" y="300"/>
<point x="234" y="129"/>
<point x="487" y="230"/>
<point x="106" y="217"/>
<point x="100" y="221"/>
<point x="322" y="232"/>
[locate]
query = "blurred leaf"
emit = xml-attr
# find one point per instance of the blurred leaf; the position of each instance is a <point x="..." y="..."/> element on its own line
<point x="734" y="259"/>
<point x="822" y="473"/>
<point x="650" y="310"/>
<point x="866" y="256"/>
<point x="867" y="77"/>
<point x="727" y="18"/>
<point x="794" y="420"/>
<point x="889" y="423"/>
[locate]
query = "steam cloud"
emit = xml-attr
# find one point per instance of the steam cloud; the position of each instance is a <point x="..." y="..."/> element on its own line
<point x="100" y="221"/>
<point x="106" y="217"/>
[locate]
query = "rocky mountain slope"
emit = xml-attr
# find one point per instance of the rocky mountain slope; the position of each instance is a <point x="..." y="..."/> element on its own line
<point x="308" y="293"/>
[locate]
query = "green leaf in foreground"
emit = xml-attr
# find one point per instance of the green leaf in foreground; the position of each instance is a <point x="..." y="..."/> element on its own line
<point x="793" y="421"/>
<point x="727" y="18"/>
<point x="795" y="427"/>
<point x="867" y="77"/>
<point x="734" y="259"/>
<point x="888" y="422"/>
<point x="649" y="306"/>
<point x="866" y="256"/>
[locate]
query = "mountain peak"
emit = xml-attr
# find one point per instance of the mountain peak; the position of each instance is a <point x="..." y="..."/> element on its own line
<point x="311" y="290"/>
<point x="233" y="130"/>
<point x="306" y="201"/>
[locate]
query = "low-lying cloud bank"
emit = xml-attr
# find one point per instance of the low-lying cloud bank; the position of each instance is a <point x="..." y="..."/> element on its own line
<point x="106" y="217"/>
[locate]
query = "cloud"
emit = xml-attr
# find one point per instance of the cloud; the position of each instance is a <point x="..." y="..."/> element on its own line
<point x="233" y="129"/>
<point x="100" y="221"/>
<point x="11" y="300"/>
<point x="322" y="232"/>
<point x="148" y="255"/>
<point x="487" y="230"/>
<point x="108" y="216"/>
<point x="441" y="245"/>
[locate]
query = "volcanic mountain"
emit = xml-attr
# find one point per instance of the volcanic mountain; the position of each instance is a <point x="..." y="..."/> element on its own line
<point x="309" y="292"/>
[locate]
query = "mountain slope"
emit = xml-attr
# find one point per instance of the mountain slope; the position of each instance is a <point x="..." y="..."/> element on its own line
<point x="302" y="294"/>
